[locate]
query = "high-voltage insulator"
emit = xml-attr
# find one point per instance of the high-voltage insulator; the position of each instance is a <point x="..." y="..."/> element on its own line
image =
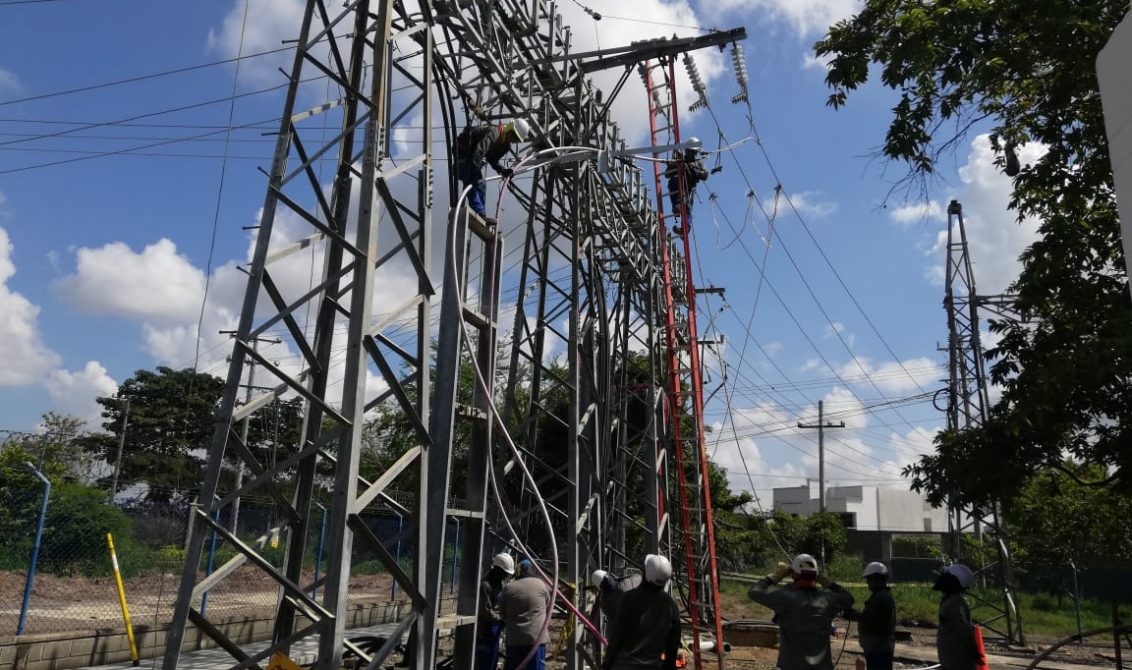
<point x="697" y="84"/>
<point x="739" y="63"/>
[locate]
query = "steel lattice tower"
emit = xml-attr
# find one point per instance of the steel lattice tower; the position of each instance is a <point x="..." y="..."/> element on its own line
<point x="587" y="287"/>
<point x="968" y="402"/>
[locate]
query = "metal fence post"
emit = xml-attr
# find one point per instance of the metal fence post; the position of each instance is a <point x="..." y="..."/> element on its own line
<point x="211" y="556"/>
<point x="455" y="557"/>
<point x="318" y="552"/>
<point x="400" y="527"/>
<point x="34" y="548"/>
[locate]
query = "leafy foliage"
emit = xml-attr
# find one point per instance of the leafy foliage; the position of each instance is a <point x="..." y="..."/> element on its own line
<point x="172" y="418"/>
<point x="1027" y="68"/>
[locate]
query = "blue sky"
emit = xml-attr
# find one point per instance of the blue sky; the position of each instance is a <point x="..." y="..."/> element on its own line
<point x="102" y="259"/>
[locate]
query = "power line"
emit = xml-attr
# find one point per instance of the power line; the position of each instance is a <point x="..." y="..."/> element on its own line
<point x="144" y="77"/>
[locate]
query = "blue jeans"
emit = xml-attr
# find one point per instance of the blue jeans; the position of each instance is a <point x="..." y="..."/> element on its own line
<point x="878" y="660"/>
<point x="471" y="175"/>
<point x="487" y="648"/>
<point x="516" y="654"/>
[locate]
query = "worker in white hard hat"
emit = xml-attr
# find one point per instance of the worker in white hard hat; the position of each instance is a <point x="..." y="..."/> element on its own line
<point x="804" y="610"/>
<point x="955" y="637"/>
<point x="877" y="622"/>
<point x="489" y="623"/>
<point x="687" y="165"/>
<point x="646" y="633"/>
<point x="477" y="146"/>
<point x="611" y="590"/>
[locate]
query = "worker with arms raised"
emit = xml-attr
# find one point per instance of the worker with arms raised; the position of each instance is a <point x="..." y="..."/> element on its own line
<point x="804" y="611"/>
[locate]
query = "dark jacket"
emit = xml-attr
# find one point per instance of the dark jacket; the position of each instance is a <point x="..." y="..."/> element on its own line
<point x="694" y="173"/>
<point x="804" y="617"/>
<point x="524" y="604"/>
<point x="482" y="145"/>
<point x="610" y="599"/>
<point x="647" y="626"/>
<point x="488" y="615"/>
<point x="878" y="622"/>
<point x="955" y="638"/>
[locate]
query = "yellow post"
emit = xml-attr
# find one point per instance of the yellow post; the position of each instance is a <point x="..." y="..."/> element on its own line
<point x="122" y="600"/>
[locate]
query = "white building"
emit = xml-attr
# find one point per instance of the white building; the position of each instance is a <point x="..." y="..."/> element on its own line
<point x="1116" y="98"/>
<point x="867" y="508"/>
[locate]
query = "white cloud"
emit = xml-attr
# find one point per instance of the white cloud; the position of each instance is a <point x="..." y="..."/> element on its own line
<point x="74" y="393"/>
<point x="894" y="376"/>
<point x="918" y="213"/>
<point x="155" y="283"/>
<point x="9" y="82"/>
<point x="269" y="22"/>
<point x="808" y="202"/>
<point x="3" y="198"/>
<point x="24" y="357"/>
<point x="806" y="17"/>
<point x="994" y="236"/>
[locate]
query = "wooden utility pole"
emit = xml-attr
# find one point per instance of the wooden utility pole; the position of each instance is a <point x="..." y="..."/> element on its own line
<point x="821" y="425"/>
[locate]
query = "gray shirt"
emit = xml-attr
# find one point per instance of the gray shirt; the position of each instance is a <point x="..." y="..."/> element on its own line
<point x="804" y="619"/>
<point x="523" y="605"/>
<point x="955" y="638"/>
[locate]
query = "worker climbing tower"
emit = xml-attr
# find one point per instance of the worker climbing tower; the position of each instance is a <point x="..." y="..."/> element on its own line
<point x="545" y="443"/>
<point x="967" y="405"/>
<point x="684" y="400"/>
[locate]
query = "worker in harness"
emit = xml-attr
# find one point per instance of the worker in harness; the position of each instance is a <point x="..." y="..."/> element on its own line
<point x="611" y="590"/>
<point x="489" y="623"/>
<point x="804" y="611"/>
<point x="646" y="634"/>
<point x="690" y="163"/>
<point x="955" y="637"/>
<point x="477" y="146"/>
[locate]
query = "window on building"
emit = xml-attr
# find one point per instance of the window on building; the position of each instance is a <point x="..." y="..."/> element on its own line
<point x="848" y="519"/>
<point x="927" y="525"/>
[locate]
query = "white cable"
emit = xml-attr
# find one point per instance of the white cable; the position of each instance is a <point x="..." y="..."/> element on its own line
<point x="496" y="417"/>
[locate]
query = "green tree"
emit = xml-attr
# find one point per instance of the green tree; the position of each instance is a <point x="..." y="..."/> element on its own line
<point x="1055" y="519"/>
<point x="1026" y="70"/>
<point x="172" y="418"/>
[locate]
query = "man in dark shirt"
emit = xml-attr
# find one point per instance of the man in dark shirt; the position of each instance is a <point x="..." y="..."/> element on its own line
<point x="485" y="145"/>
<point x="646" y="635"/>
<point x="489" y="625"/>
<point x="877" y="622"/>
<point x="694" y="171"/>
<point x="611" y="591"/>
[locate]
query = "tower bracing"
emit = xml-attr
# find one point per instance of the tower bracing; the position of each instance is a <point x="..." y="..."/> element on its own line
<point x="498" y="383"/>
<point x="968" y="403"/>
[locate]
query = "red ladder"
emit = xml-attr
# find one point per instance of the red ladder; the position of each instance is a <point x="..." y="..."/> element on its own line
<point x="684" y="383"/>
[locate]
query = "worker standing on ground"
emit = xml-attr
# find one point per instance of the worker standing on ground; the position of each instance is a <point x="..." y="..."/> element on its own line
<point x="477" y="146"/>
<point x="804" y="611"/>
<point x="877" y="623"/>
<point x="525" y="605"/>
<point x="489" y="624"/>
<point x="646" y="633"/>
<point x="611" y="590"/>
<point x="955" y="637"/>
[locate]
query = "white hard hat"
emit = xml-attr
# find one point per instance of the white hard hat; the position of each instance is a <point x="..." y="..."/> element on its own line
<point x="504" y="562"/>
<point x="521" y="129"/>
<point x="694" y="143"/>
<point x="597" y="577"/>
<point x="876" y="568"/>
<point x="961" y="573"/>
<point x="804" y="563"/>
<point x="658" y="569"/>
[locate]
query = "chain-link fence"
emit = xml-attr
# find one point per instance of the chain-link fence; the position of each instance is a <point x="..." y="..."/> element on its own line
<point x="72" y="586"/>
